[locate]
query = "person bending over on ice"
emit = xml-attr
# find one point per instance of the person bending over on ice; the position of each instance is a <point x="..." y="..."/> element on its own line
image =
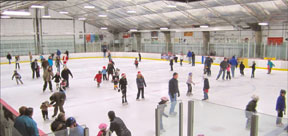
<point x="65" y="75"/>
<point x="59" y="99"/>
<point x="281" y="107"/>
<point x="123" y="88"/>
<point x="162" y="105"/>
<point x="223" y="67"/>
<point x="250" y="110"/>
<point x="17" y="77"/>
<point x="117" y="125"/>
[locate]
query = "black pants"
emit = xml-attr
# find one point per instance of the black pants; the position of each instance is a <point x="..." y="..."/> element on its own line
<point x="60" y="107"/>
<point x="67" y="81"/>
<point x="208" y="71"/>
<point x="9" y="61"/>
<point x="176" y="59"/>
<point x="189" y="88"/>
<point x="140" y="90"/>
<point x="104" y="77"/>
<point x="228" y="76"/>
<point x="171" y="67"/>
<point x="181" y="62"/>
<point x="35" y="72"/>
<point x="136" y="65"/>
<point x="193" y="61"/>
<point x="45" y="85"/>
<point x="18" y="80"/>
<point x="280" y="114"/>
<point x="17" y="65"/>
<point x="124" y="96"/>
<point x="45" y="114"/>
<point x="253" y="73"/>
<point x="139" y="59"/>
<point x="242" y="72"/>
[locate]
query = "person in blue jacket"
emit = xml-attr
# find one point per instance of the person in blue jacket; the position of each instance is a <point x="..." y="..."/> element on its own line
<point x="281" y="107"/>
<point x="50" y="61"/>
<point x="75" y="129"/>
<point x="58" y="53"/>
<point x="25" y="125"/>
<point x="189" y="55"/>
<point x="270" y="66"/>
<point x="233" y="62"/>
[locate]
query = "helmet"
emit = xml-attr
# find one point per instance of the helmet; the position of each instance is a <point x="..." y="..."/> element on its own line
<point x="70" y="121"/>
<point x="102" y="126"/>
<point x="164" y="99"/>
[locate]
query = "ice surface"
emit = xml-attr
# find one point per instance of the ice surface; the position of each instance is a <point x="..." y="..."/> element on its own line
<point x="90" y="105"/>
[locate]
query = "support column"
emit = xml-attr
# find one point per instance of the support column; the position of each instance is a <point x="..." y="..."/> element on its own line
<point x="169" y="45"/>
<point x="84" y="28"/>
<point x="258" y="39"/>
<point x="206" y="40"/>
<point x="138" y="39"/>
<point x="38" y="45"/>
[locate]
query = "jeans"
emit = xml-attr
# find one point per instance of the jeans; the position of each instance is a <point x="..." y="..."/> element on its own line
<point x="248" y="116"/>
<point x="205" y="95"/>
<point x="9" y="61"/>
<point x="124" y="96"/>
<point x="17" y="65"/>
<point x="190" y="59"/>
<point x="173" y="103"/>
<point x="45" y="85"/>
<point x="220" y="72"/>
<point x="161" y="122"/>
<point x="104" y="77"/>
<point x="104" y="54"/>
<point x="233" y="70"/>
<point x="181" y="62"/>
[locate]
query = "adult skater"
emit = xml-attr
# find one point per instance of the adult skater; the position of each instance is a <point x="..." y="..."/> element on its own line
<point x="242" y="67"/>
<point x="140" y="57"/>
<point x="25" y="125"/>
<point x="161" y="106"/>
<point x="206" y="88"/>
<point x="193" y="59"/>
<point x="17" y="77"/>
<point x="175" y="58"/>
<point x="181" y="59"/>
<point x="9" y="57"/>
<point x="58" y="126"/>
<point x="44" y="64"/>
<point x="223" y="66"/>
<point x="123" y="88"/>
<point x="65" y="75"/>
<point x="117" y="125"/>
<point x="253" y="69"/>
<point x="173" y="91"/>
<point x="17" y="62"/>
<point x="58" y="63"/>
<point x="189" y="55"/>
<point x="104" y="49"/>
<point x="47" y="77"/>
<point x="171" y="63"/>
<point x="233" y="62"/>
<point x="270" y="65"/>
<point x="75" y="129"/>
<point x="207" y="65"/>
<point x="140" y="85"/>
<point x="34" y="67"/>
<point x="30" y="56"/>
<point x="110" y="69"/>
<point x="250" y="110"/>
<point x="189" y="84"/>
<point x="58" y="53"/>
<point x="59" y="99"/>
<point x="281" y="107"/>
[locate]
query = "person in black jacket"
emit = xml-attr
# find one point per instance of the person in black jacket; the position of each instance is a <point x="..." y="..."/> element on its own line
<point x="117" y="125"/>
<point x="253" y="69"/>
<point x="206" y="88"/>
<point x="110" y="69"/>
<point x="193" y="59"/>
<point x="57" y="80"/>
<point x="34" y="67"/>
<point x="9" y="57"/>
<point x="250" y="110"/>
<point x="207" y="65"/>
<point x="65" y="75"/>
<point x="242" y="67"/>
<point x="223" y="67"/>
<point x="59" y="99"/>
<point x="171" y="63"/>
<point x="123" y="88"/>
<point x="173" y="91"/>
<point x="58" y="126"/>
<point x="140" y="57"/>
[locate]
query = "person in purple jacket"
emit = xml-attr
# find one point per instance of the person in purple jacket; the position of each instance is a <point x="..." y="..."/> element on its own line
<point x="281" y="107"/>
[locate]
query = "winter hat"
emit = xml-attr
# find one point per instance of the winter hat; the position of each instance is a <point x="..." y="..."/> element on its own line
<point x="255" y="97"/>
<point x="104" y="67"/>
<point x="70" y="121"/>
<point x="282" y="91"/>
<point x="190" y="74"/>
<point x="123" y="74"/>
<point x="164" y="99"/>
<point x="139" y="72"/>
<point x="102" y="126"/>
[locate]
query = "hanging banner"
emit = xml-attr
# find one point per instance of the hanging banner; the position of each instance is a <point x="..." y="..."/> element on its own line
<point x="96" y="38"/>
<point x="275" y="40"/>
<point x="188" y="34"/>
<point x="88" y="38"/>
<point x="92" y="38"/>
<point x="126" y="35"/>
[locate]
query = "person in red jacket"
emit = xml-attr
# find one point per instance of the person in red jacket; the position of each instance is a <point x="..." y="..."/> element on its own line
<point x="65" y="60"/>
<point x="98" y="77"/>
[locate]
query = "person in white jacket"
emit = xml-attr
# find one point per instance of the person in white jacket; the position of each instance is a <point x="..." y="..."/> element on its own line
<point x="189" y="84"/>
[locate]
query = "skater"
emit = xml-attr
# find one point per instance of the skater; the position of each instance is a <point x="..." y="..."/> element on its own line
<point x="17" y="77"/>
<point x="109" y="55"/>
<point x="116" y="74"/>
<point x="140" y="57"/>
<point x="181" y="59"/>
<point x="57" y="80"/>
<point x="74" y="128"/>
<point x="161" y="106"/>
<point x="104" y="72"/>
<point x="44" y="109"/>
<point x="223" y="67"/>
<point x="110" y="69"/>
<point x="98" y="78"/>
<point x="30" y="56"/>
<point x="189" y="55"/>
<point x="117" y="125"/>
<point x="34" y="67"/>
<point x="175" y="58"/>
<point x="253" y="69"/>
<point x="207" y="65"/>
<point x="62" y="86"/>
<point x="103" y="130"/>
<point x="228" y="72"/>
<point x="65" y="75"/>
<point x="59" y="99"/>
<point x="189" y="84"/>
<point x="58" y="63"/>
<point x="193" y="59"/>
<point x="136" y="62"/>
<point x="242" y="67"/>
<point x="58" y="53"/>
<point x="140" y="85"/>
<point x="104" y="49"/>
<point x="123" y="88"/>
<point x="9" y="57"/>
<point x="47" y="76"/>
<point x="65" y="59"/>
<point x="281" y="107"/>
<point x="17" y="62"/>
<point x="58" y="126"/>
<point x="233" y="62"/>
<point x="270" y="65"/>
<point x="44" y="64"/>
<point x="116" y="81"/>
<point x="173" y="91"/>
<point x="250" y="110"/>
<point x="206" y="88"/>
<point x="171" y="63"/>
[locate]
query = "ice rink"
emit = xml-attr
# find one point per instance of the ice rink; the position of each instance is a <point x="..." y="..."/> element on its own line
<point x="90" y="105"/>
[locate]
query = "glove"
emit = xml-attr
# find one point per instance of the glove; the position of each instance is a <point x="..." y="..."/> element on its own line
<point x="118" y="90"/>
<point x="178" y="94"/>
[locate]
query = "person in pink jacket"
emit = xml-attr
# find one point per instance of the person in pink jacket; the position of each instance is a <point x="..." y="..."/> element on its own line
<point x="228" y="72"/>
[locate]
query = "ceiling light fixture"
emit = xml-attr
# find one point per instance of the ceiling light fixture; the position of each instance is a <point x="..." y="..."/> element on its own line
<point x="89" y="7"/>
<point x="16" y="13"/>
<point x="164" y="28"/>
<point x="63" y="12"/>
<point x="171" y="6"/>
<point x="263" y="24"/>
<point x="82" y="18"/>
<point x="102" y="15"/>
<point x="133" y="30"/>
<point x="5" y="17"/>
<point x="131" y="11"/>
<point x="104" y="28"/>
<point x="204" y="26"/>
<point x="37" y="6"/>
<point x="46" y="16"/>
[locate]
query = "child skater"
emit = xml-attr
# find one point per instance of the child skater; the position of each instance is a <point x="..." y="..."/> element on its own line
<point x="116" y="81"/>
<point x="242" y="67"/>
<point x="253" y="69"/>
<point x="62" y="86"/>
<point x="162" y="105"/>
<point x="181" y="59"/>
<point x="103" y="130"/>
<point x="98" y="77"/>
<point x="57" y="79"/>
<point x="270" y="65"/>
<point x="17" y="77"/>
<point x="123" y="88"/>
<point x="104" y="72"/>
<point x="136" y="62"/>
<point x="228" y="72"/>
<point x="17" y="65"/>
<point x="206" y="88"/>
<point x="44" y="108"/>
<point x="189" y="84"/>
